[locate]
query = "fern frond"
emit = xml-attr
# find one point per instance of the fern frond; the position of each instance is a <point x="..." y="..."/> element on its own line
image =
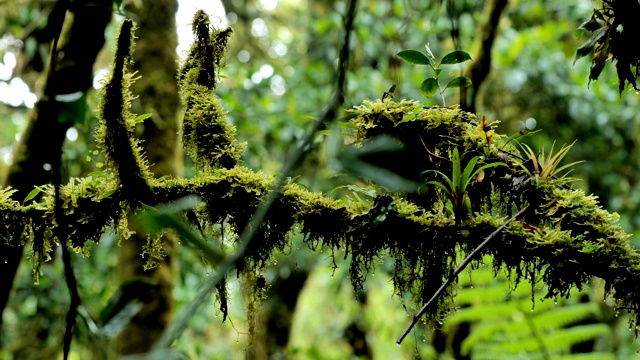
<point x="588" y="356"/>
<point x="563" y="316"/>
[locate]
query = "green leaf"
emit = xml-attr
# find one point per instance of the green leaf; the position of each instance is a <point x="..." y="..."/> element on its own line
<point x="455" y="57"/>
<point x="96" y="174"/>
<point x="456" y="175"/>
<point x="33" y="193"/>
<point x="408" y="117"/>
<point x="591" y="25"/>
<point x="586" y="48"/>
<point x="414" y="57"/>
<point x="466" y="173"/>
<point x="440" y="185"/>
<point x="445" y="177"/>
<point x="411" y="115"/>
<point x="429" y="87"/>
<point x="460" y="81"/>
<point x="106" y="194"/>
<point x="366" y="191"/>
<point x="466" y="203"/>
<point x="141" y="118"/>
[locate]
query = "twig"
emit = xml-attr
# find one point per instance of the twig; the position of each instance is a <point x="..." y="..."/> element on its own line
<point x="430" y="153"/>
<point x="179" y="325"/>
<point x="457" y="271"/>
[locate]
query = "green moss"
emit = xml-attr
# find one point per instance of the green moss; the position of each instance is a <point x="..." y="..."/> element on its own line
<point x="114" y="135"/>
<point x="208" y="136"/>
<point x="153" y="250"/>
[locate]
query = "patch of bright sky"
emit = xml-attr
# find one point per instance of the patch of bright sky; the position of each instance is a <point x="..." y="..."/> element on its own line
<point x="14" y="92"/>
<point x="269" y="4"/>
<point x="220" y="19"/>
<point x="184" y="17"/>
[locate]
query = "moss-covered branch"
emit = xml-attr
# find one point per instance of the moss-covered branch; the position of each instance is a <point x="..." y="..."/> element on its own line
<point x="564" y="239"/>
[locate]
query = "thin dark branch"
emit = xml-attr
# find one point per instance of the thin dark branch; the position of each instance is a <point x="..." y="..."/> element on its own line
<point x="72" y="285"/>
<point x="454" y="19"/>
<point x="457" y="271"/>
<point x="338" y="97"/>
<point x="56" y="164"/>
<point x="485" y="36"/>
<point x="179" y="325"/>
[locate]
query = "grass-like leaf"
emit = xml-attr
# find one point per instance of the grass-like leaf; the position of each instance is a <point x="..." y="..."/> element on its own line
<point x="546" y="166"/>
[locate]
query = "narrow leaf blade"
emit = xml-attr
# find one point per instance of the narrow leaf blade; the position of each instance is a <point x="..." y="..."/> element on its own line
<point x="33" y="193"/>
<point x="142" y="117"/>
<point x="466" y="173"/>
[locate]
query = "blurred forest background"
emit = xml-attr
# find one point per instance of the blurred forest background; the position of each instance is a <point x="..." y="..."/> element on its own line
<point x="280" y="72"/>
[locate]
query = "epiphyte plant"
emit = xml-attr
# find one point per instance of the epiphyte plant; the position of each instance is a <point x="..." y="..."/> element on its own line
<point x="455" y="187"/>
<point x="545" y="167"/>
<point x="431" y="85"/>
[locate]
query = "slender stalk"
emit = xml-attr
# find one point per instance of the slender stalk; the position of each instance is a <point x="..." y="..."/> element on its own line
<point x="457" y="271"/>
<point x="441" y="90"/>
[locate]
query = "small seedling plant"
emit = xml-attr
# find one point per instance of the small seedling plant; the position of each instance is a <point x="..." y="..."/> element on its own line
<point x="431" y="86"/>
<point x="455" y="187"/>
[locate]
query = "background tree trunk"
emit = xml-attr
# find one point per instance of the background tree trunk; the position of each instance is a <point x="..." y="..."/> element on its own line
<point x="155" y="60"/>
<point x="479" y="70"/>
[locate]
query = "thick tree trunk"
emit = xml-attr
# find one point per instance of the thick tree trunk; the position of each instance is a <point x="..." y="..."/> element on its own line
<point x="81" y="40"/>
<point x="155" y="60"/>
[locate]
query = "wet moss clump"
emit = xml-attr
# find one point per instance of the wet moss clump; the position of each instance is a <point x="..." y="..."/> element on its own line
<point x="208" y="136"/>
